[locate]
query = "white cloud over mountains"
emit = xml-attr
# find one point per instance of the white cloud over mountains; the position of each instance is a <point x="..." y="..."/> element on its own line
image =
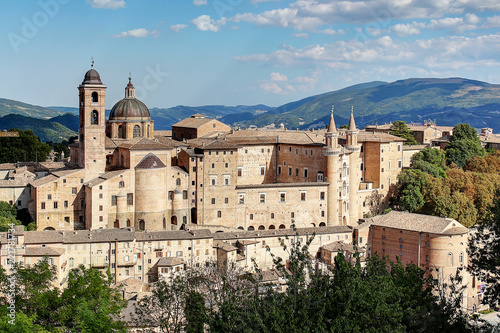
<point x="136" y="33"/>
<point x="205" y="23"/>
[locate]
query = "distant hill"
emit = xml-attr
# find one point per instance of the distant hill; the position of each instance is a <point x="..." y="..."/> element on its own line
<point x="448" y="101"/>
<point x="44" y="129"/>
<point x="8" y="106"/>
<point x="69" y="120"/>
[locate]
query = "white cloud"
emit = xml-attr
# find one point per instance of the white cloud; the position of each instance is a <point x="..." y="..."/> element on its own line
<point x="205" y="23"/>
<point x="309" y="15"/>
<point x="301" y="35"/>
<point x="275" y="76"/>
<point x="405" y="30"/>
<point x="286" y="18"/>
<point x="492" y="22"/>
<point x="455" y="24"/>
<point x="199" y="2"/>
<point x="178" y="27"/>
<point x="136" y="33"/>
<point x="108" y="4"/>
<point x="272" y="87"/>
<point x="332" y="32"/>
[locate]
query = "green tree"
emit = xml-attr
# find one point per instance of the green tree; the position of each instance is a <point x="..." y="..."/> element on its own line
<point x="456" y="206"/>
<point x="195" y="312"/>
<point x="410" y="183"/>
<point x="8" y="216"/>
<point x="464" y="145"/>
<point x="27" y="147"/>
<point x="90" y="303"/>
<point x="484" y="247"/>
<point x="400" y="129"/>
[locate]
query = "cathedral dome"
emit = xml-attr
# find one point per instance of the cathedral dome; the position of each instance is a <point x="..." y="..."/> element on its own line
<point x="92" y="77"/>
<point x="129" y="107"/>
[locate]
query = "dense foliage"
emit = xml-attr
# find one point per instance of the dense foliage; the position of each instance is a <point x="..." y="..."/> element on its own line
<point x="87" y="304"/>
<point x="458" y="183"/>
<point x="8" y="216"/>
<point x="27" y="147"/>
<point x="384" y="296"/>
<point x="484" y="247"/>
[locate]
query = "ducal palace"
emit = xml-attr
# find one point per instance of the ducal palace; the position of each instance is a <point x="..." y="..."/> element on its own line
<point x="204" y="174"/>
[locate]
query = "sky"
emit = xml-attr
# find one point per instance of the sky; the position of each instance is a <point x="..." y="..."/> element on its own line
<point x="237" y="52"/>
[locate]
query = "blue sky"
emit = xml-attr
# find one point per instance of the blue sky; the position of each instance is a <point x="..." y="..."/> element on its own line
<point x="239" y="52"/>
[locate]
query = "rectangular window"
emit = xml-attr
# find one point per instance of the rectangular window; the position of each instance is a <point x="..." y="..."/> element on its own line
<point x="42" y="205"/>
<point x="179" y="253"/>
<point x="240" y="171"/>
<point x="400" y="164"/>
<point x="296" y="172"/>
<point x="262" y="197"/>
<point x="100" y="208"/>
<point x="302" y="196"/>
<point x="100" y="218"/>
<point x="73" y="190"/>
<point x="226" y="200"/>
<point x="55" y="204"/>
<point x="113" y="200"/>
<point x="184" y="194"/>
<point x="290" y="171"/>
<point x="66" y="219"/>
<point x="65" y="204"/>
<point x="262" y="170"/>
<point x="49" y="196"/>
<point x="241" y="198"/>
<point x="321" y="195"/>
<point x="279" y="170"/>
<point x="282" y="196"/>
<point x="100" y="195"/>
<point x="213" y="180"/>
<point x="130" y="199"/>
<point x="306" y="173"/>
<point x="213" y="201"/>
<point x="227" y="180"/>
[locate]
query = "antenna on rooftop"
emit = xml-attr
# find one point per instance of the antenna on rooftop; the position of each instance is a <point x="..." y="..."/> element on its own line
<point x="92" y="62"/>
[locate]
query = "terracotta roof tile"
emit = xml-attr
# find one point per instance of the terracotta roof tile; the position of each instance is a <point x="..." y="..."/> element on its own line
<point x="193" y="122"/>
<point x="150" y="161"/>
<point x="169" y="262"/>
<point x="235" y="235"/>
<point x="39" y="251"/>
<point x="419" y="223"/>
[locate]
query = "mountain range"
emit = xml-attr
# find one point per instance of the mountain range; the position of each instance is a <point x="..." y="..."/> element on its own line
<point x="446" y="101"/>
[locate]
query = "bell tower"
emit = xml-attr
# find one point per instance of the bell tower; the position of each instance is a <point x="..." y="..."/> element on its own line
<point x="354" y="179"/>
<point x="331" y="151"/>
<point x="91" y="132"/>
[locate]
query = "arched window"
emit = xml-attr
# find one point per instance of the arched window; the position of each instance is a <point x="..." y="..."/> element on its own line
<point x="49" y="228"/>
<point x="241" y="228"/>
<point x="94" y="117"/>
<point x="282" y="226"/>
<point x="121" y="132"/>
<point x="322" y="224"/>
<point x="173" y="220"/>
<point x="272" y="227"/>
<point x="178" y="182"/>
<point x="344" y="221"/>
<point x="142" y="225"/>
<point x="71" y="262"/>
<point x="261" y="227"/>
<point x="95" y="97"/>
<point x="128" y="222"/>
<point x="149" y="133"/>
<point x="251" y="228"/>
<point x="137" y="131"/>
<point x="117" y="224"/>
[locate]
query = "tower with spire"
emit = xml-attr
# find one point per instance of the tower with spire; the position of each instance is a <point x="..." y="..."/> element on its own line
<point x="91" y="132"/>
<point x="331" y="151"/>
<point x="353" y="149"/>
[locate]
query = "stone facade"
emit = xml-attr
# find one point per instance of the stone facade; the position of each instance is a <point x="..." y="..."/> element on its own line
<point x="219" y="178"/>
